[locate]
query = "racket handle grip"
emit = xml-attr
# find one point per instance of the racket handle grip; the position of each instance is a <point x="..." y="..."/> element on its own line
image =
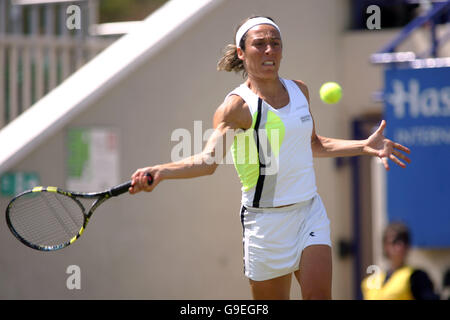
<point x="122" y="188"/>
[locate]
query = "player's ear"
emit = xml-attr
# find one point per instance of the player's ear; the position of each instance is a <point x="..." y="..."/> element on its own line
<point x="240" y="53"/>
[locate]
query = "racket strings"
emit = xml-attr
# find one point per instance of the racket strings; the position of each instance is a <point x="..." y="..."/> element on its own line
<point x="46" y="218"/>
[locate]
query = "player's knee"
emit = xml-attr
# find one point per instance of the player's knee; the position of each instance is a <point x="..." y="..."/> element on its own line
<point x="319" y="296"/>
<point x="318" y="293"/>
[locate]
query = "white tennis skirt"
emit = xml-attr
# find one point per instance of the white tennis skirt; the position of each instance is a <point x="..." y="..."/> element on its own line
<point x="274" y="238"/>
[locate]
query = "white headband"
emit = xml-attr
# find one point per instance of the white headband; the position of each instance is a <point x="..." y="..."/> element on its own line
<point x="250" y="24"/>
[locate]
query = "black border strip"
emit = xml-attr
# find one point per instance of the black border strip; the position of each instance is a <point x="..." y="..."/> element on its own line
<point x="243" y="209"/>
<point x="260" y="182"/>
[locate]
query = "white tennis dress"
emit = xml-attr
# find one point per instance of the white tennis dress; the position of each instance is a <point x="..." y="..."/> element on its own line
<point x="274" y="162"/>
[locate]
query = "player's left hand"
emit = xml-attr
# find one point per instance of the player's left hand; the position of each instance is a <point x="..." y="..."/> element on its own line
<point x="378" y="145"/>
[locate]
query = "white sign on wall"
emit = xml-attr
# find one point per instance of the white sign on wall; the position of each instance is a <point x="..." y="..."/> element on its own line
<point x="93" y="159"/>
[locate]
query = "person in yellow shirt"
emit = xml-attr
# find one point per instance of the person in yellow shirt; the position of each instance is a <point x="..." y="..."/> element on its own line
<point x="400" y="281"/>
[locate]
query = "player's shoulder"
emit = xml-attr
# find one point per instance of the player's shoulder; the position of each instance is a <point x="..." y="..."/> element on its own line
<point x="302" y="85"/>
<point x="233" y="101"/>
<point x="233" y="106"/>
<point x="235" y="111"/>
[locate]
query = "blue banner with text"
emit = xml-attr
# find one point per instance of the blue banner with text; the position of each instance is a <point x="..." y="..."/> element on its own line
<point x="417" y="111"/>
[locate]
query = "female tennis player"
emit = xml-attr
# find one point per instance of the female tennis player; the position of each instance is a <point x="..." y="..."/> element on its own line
<point x="286" y="228"/>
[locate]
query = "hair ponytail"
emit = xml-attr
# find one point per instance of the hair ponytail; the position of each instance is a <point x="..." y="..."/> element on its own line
<point x="230" y="61"/>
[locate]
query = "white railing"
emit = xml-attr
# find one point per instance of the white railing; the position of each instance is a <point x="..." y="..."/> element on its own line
<point x="34" y="66"/>
<point x="38" y="51"/>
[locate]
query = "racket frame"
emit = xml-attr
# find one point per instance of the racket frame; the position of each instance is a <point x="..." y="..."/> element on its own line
<point x="100" y="196"/>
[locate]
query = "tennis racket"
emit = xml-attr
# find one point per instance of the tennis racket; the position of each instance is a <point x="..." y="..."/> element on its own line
<point x="49" y="218"/>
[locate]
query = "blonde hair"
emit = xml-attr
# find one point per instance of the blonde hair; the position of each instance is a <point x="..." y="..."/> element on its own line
<point x="230" y="60"/>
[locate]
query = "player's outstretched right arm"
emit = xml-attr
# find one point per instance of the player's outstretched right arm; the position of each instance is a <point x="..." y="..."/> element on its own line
<point x="231" y="115"/>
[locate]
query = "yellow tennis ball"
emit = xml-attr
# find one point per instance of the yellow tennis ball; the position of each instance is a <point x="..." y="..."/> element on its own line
<point x="330" y="92"/>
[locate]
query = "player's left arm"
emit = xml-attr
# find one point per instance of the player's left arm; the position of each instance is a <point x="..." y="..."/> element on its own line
<point x="376" y="145"/>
